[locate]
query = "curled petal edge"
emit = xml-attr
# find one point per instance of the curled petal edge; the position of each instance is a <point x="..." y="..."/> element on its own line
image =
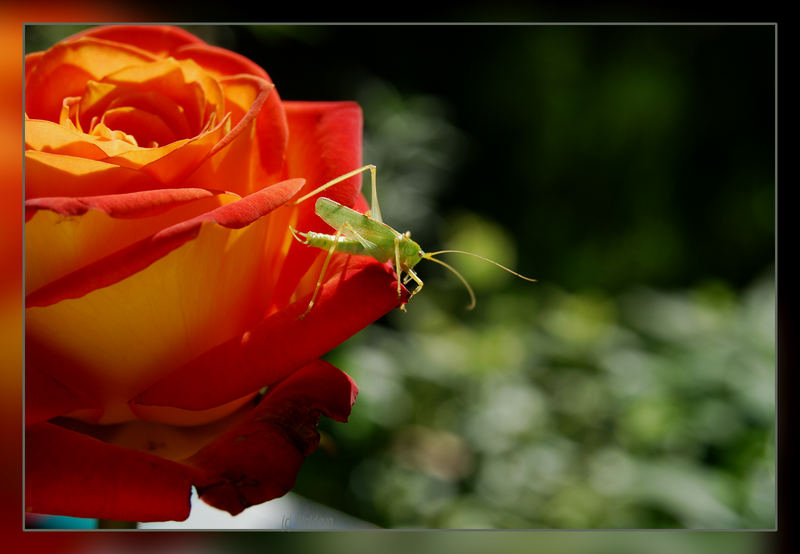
<point x="125" y="205"/>
<point x="259" y="459"/>
<point x="69" y="473"/>
<point x="134" y="258"/>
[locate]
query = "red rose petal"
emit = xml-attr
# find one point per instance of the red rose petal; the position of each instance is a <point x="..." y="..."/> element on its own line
<point x="160" y="40"/>
<point x="69" y="473"/>
<point x="183" y="82"/>
<point x="64" y="69"/>
<point x="172" y="163"/>
<point x="100" y="96"/>
<point x="45" y="397"/>
<point x="30" y="62"/>
<point x="272" y="132"/>
<point x="324" y="143"/>
<point x="361" y="293"/>
<point x="139" y="204"/>
<point x="259" y="459"/>
<point x="232" y="69"/>
<point x="170" y="303"/>
<point x="167" y="110"/>
<point x="253" y="152"/>
<point x="63" y="234"/>
<point x="66" y="140"/>
<point x="219" y="61"/>
<point x="49" y="174"/>
<point x="141" y="254"/>
<point x="148" y="128"/>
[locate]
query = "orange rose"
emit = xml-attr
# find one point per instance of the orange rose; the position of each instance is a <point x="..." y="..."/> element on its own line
<point x="163" y="288"/>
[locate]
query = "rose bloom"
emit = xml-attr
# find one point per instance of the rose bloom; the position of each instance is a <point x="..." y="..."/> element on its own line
<point x="164" y="343"/>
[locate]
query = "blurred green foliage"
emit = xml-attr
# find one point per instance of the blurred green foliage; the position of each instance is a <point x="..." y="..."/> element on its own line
<point x="548" y="409"/>
<point x="628" y="168"/>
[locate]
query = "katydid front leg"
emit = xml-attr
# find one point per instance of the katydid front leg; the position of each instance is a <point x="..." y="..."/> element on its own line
<point x="410" y="274"/>
<point x="322" y="272"/>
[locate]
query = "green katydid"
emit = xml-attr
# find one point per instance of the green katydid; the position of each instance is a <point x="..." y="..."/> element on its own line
<point x="367" y="235"/>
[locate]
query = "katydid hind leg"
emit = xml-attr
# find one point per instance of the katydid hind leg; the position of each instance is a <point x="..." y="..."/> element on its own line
<point x="398" y="269"/>
<point x="336" y="181"/>
<point x="375" y="209"/>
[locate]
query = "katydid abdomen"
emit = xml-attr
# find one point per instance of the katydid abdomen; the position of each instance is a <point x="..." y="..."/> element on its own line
<point x="343" y="244"/>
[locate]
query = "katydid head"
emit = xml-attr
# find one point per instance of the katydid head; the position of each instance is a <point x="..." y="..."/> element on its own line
<point x="431" y="256"/>
<point x="409" y="252"/>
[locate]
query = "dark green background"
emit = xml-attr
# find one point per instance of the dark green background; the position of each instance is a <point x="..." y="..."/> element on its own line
<point x="612" y="154"/>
